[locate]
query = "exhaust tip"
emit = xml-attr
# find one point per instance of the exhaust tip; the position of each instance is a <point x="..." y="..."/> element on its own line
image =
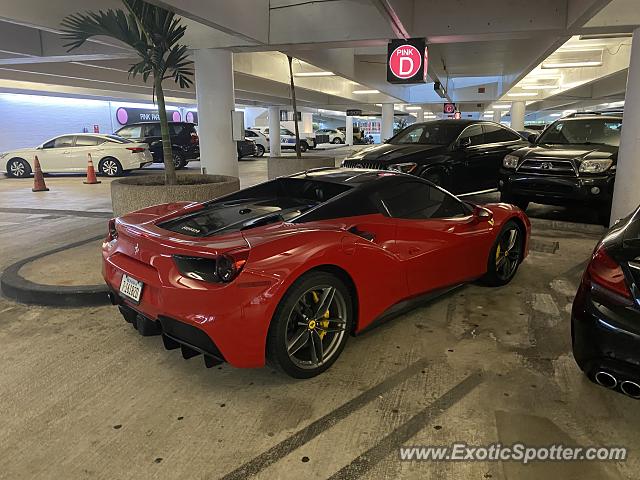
<point x="606" y="379"/>
<point x="630" y="388"/>
<point x="112" y="298"/>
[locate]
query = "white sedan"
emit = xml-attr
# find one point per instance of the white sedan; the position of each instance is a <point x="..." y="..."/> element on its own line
<point x="335" y="136"/>
<point x="111" y="155"/>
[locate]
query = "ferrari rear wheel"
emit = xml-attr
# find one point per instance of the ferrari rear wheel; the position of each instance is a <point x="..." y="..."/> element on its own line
<point x="505" y="256"/>
<point x="311" y="325"/>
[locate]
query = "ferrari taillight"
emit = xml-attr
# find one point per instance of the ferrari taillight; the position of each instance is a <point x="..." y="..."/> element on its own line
<point x="112" y="233"/>
<point x="222" y="268"/>
<point x="605" y="272"/>
<point x="229" y="265"/>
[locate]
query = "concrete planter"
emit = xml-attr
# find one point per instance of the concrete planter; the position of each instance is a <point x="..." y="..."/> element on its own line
<point x="134" y="193"/>
<point x="282" y="166"/>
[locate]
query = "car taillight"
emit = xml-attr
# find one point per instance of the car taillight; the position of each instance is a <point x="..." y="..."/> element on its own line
<point x="136" y="149"/>
<point x="112" y="233"/>
<point x="605" y="272"/>
<point x="223" y="268"/>
<point x="229" y="265"/>
<point x="194" y="138"/>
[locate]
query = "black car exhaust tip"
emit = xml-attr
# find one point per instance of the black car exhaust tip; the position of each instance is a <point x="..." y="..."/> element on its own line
<point x="112" y="298"/>
<point x="630" y="388"/>
<point x="606" y="379"/>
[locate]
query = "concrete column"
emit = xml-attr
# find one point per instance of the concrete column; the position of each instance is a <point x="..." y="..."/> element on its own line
<point x="386" y="129"/>
<point x="420" y="116"/>
<point x="349" y="131"/>
<point x="517" y="115"/>
<point x="497" y="115"/>
<point x="306" y="126"/>
<point x="216" y="101"/>
<point x="626" y="193"/>
<point x="274" y="132"/>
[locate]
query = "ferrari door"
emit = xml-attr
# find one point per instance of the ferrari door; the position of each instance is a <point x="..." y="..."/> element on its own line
<point x="437" y="237"/>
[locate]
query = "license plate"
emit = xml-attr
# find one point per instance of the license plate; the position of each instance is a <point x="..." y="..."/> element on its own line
<point x="131" y="288"/>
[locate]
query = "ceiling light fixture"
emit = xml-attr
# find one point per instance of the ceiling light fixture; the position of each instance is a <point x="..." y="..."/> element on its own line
<point x="365" y="92"/>
<point x="411" y="107"/>
<point x="539" y="87"/>
<point x="586" y="63"/>
<point x="522" y="94"/>
<point x="555" y="114"/>
<point x="314" y="74"/>
<point x="499" y="106"/>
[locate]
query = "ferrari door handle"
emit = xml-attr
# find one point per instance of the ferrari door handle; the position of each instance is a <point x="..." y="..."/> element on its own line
<point x="366" y="235"/>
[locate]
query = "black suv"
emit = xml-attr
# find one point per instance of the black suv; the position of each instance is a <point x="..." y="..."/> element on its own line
<point x="184" y="140"/>
<point x="462" y="156"/>
<point x="572" y="162"/>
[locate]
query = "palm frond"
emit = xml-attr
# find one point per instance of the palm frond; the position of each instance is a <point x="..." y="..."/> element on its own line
<point x="153" y="32"/>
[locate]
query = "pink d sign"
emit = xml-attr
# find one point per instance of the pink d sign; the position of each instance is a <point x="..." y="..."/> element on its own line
<point x="405" y="61"/>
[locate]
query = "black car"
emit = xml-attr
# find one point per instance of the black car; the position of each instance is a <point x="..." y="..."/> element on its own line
<point x="605" y="319"/>
<point x="573" y="161"/>
<point x="460" y="155"/>
<point x="246" y="148"/>
<point x="185" y="144"/>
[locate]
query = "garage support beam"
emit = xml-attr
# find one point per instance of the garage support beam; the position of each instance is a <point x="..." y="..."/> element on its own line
<point x="216" y="101"/>
<point x="420" y="116"/>
<point x="349" y="131"/>
<point x="274" y="132"/>
<point x="626" y="193"/>
<point x="386" y="130"/>
<point x="497" y="115"/>
<point x="517" y="115"/>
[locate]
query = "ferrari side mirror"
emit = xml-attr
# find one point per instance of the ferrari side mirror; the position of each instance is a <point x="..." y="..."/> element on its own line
<point x="483" y="214"/>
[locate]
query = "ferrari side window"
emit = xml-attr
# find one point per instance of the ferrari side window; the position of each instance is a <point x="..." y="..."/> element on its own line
<point x="417" y="200"/>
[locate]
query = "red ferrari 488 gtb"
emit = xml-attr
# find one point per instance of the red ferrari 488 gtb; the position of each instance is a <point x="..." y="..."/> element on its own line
<point x="286" y="270"/>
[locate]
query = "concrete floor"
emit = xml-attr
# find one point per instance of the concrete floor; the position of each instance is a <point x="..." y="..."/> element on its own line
<point x="83" y="396"/>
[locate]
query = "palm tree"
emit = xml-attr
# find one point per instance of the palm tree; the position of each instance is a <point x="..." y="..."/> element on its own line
<point x="153" y="33"/>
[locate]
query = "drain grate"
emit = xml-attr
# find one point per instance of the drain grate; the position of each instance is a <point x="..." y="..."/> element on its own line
<point x="543" y="246"/>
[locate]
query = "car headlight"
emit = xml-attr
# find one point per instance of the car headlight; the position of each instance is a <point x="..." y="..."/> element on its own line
<point x="510" y="161"/>
<point x="403" y="167"/>
<point x="595" y="166"/>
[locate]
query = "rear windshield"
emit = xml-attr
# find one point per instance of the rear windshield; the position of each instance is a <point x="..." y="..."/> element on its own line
<point x="282" y="199"/>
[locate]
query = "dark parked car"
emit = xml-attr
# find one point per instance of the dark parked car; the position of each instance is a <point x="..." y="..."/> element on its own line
<point x="184" y="140"/>
<point x="460" y="155"/>
<point x="571" y="162"/>
<point x="246" y="148"/>
<point x="605" y="319"/>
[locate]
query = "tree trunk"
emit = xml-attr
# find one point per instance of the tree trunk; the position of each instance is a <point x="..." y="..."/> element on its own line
<point x="167" y="152"/>
<point x="295" y="109"/>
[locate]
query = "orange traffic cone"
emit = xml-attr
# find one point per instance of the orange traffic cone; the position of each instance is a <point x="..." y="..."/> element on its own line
<point x="38" y="178"/>
<point x="91" y="173"/>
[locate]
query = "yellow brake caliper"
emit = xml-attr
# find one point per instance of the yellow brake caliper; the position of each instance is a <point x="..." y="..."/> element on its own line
<point x="497" y="254"/>
<point x="325" y="323"/>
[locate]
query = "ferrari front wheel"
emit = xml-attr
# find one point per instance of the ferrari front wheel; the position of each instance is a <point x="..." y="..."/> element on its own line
<point x="505" y="256"/>
<point x="311" y="325"/>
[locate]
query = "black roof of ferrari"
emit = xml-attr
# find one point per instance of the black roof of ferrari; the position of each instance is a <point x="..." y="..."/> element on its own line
<point x="349" y="176"/>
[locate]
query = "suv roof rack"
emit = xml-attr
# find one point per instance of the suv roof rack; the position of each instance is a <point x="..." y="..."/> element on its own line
<point x="604" y="112"/>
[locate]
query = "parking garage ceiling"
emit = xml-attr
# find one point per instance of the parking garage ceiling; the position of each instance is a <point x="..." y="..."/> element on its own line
<point x="481" y="55"/>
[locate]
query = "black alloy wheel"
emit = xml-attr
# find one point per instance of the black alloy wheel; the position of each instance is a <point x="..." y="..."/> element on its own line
<point x="311" y="325"/>
<point x="505" y="256"/>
